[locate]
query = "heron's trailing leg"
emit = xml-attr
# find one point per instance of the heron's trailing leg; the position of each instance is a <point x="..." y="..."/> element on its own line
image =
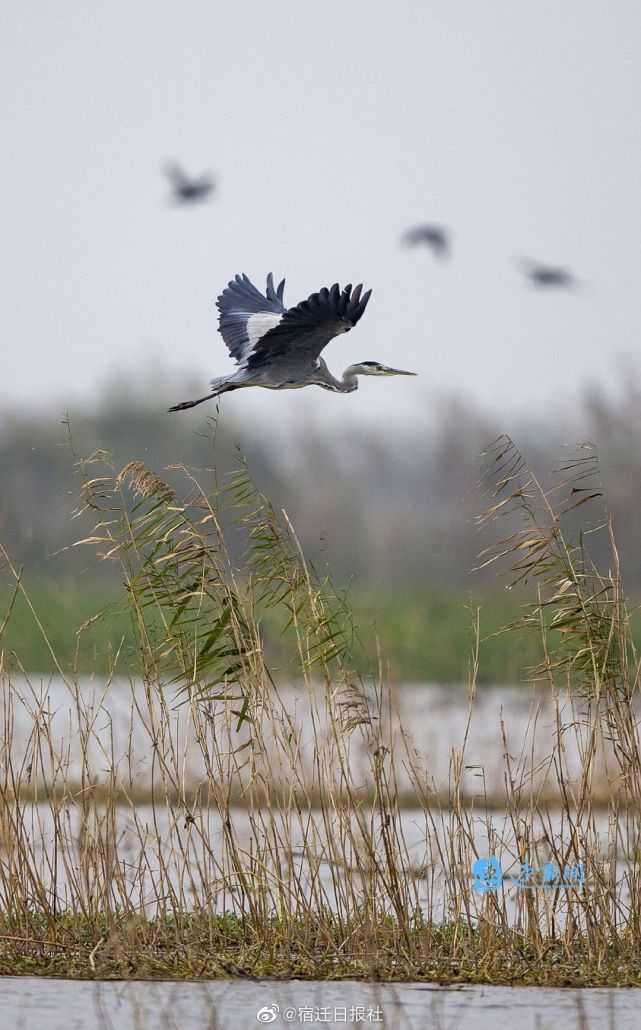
<point x="192" y="404"/>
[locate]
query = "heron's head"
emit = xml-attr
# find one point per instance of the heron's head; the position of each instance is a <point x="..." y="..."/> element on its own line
<point x="374" y="368"/>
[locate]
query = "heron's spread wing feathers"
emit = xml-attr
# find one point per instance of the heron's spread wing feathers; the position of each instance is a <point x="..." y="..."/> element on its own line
<point x="304" y="330"/>
<point x="257" y="328"/>
<point x="246" y="314"/>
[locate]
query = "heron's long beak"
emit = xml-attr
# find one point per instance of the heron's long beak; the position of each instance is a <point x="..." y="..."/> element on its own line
<point x="399" y="372"/>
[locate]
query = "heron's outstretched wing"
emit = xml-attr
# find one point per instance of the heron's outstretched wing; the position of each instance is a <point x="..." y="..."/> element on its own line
<point x="246" y="314"/>
<point x="304" y="330"/>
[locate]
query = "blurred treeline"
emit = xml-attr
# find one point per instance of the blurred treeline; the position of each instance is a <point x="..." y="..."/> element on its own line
<point x="388" y="509"/>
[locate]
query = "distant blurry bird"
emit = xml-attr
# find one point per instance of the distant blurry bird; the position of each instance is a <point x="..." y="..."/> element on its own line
<point x="186" y="190"/>
<point x="433" y="236"/>
<point x="279" y="348"/>
<point x="546" y="276"/>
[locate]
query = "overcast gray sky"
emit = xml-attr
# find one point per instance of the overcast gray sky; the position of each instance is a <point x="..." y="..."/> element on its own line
<point x="332" y="128"/>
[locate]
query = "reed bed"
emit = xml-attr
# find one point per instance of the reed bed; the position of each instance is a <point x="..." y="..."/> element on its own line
<point x="228" y="835"/>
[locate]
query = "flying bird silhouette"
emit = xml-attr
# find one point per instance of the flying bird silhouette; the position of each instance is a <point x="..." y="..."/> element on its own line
<point x="547" y="276"/>
<point x="279" y="348"/>
<point x="433" y="236"/>
<point x="188" y="190"/>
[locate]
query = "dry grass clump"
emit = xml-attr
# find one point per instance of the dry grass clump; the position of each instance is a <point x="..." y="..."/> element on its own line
<point x="270" y="845"/>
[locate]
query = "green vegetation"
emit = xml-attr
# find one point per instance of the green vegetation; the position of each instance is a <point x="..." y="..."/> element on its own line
<point x="271" y="845"/>
<point x="390" y="511"/>
<point x="425" y="637"/>
<point x="222" y="947"/>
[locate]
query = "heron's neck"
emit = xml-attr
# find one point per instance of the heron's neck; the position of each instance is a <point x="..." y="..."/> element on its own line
<point x="349" y="381"/>
<point x="346" y="384"/>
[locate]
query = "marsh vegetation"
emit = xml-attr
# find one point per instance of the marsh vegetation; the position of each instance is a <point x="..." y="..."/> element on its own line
<point x="230" y="832"/>
<point x="389" y="509"/>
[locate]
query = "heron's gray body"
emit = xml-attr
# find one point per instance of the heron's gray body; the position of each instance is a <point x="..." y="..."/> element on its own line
<point x="279" y="348"/>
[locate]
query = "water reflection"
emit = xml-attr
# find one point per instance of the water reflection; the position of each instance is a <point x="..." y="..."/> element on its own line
<point x="42" y="1004"/>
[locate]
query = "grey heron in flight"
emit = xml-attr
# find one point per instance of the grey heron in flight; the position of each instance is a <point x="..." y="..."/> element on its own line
<point x="280" y="348"/>
<point x="188" y="190"/>
<point x="547" y="276"/>
<point x="433" y="236"/>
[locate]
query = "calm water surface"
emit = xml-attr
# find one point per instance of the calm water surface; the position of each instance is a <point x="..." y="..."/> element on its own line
<point x="40" y="1004"/>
